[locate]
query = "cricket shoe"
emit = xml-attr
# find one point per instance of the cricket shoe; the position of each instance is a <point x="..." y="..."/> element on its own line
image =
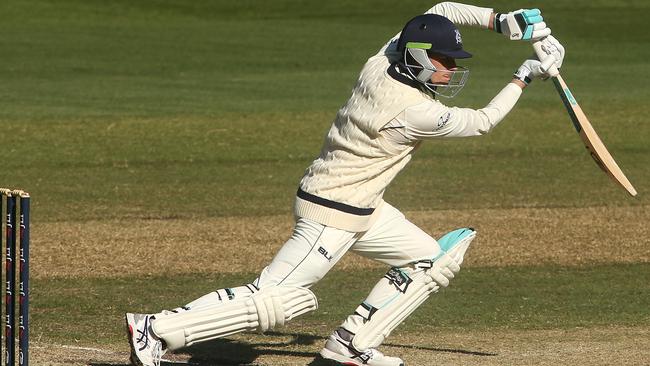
<point x="341" y="351"/>
<point x="146" y="348"/>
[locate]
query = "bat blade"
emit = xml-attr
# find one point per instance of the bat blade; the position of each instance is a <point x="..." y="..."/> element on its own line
<point x="590" y="138"/>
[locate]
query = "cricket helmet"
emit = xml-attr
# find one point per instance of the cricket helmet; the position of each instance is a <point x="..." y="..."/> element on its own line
<point x="431" y="35"/>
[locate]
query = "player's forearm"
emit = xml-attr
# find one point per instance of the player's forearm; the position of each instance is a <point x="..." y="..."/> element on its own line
<point x="463" y="14"/>
<point x="500" y="106"/>
<point x="434" y="120"/>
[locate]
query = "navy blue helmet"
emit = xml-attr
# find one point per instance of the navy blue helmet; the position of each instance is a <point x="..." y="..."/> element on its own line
<point x="431" y="35"/>
<point x="435" y="32"/>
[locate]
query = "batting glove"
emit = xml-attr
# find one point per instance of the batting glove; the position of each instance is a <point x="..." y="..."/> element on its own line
<point x="551" y="47"/>
<point x="522" y="24"/>
<point x="529" y="70"/>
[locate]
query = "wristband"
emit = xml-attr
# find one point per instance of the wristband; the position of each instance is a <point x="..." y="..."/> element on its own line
<point x="497" y="23"/>
<point x="523" y="74"/>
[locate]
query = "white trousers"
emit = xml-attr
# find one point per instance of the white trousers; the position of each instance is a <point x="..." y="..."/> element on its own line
<point x="305" y="258"/>
<point x="314" y="249"/>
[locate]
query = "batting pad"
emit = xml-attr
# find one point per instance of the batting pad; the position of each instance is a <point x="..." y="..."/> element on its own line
<point x="267" y="309"/>
<point x="455" y="243"/>
<point x="410" y="288"/>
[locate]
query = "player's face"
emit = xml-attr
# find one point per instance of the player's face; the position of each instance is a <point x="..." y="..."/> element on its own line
<point x="442" y="64"/>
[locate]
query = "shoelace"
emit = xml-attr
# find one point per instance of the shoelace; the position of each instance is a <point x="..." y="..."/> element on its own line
<point x="367" y="355"/>
<point x="157" y="353"/>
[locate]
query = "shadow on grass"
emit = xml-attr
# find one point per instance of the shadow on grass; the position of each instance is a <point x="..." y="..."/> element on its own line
<point x="232" y="352"/>
<point x="226" y="352"/>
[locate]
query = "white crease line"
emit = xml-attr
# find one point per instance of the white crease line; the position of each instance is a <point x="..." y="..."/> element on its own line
<point x="87" y="349"/>
<point x="109" y="352"/>
<point x="76" y="348"/>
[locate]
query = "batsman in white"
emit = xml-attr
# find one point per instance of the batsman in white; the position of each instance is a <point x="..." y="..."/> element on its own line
<point x="339" y="207"/>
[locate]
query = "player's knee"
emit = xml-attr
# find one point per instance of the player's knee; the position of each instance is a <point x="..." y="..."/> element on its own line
<point x="288" y="276"/>
<point x="446" y="264"/>
<point x="455" y="243"/>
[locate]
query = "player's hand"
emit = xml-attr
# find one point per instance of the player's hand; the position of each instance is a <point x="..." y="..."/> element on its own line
<point x="522" y="24"/>
<point x="531" y="69"/>
<point x="551" y="47"/>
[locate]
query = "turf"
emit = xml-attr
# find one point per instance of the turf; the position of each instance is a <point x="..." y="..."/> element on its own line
<point x="115" y="108"/>
<point x="481" y="298"/>
<point x="119" y="113"/>
<point x="550" y="297"/>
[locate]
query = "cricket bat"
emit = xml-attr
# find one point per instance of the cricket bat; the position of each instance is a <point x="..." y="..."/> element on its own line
<point x="589" y="137"/>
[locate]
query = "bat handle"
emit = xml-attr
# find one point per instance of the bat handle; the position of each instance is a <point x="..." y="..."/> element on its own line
<point x="548" y="61"/>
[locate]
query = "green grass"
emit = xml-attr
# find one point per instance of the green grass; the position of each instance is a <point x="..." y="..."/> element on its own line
<point x="513" y="297"/>
<point x="175" y="108"/>
<point x="215" y="108"/>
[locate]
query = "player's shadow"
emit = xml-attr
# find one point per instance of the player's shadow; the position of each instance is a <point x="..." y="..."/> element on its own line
<point x="227" y="352"/>
<point x="319" y="361"/>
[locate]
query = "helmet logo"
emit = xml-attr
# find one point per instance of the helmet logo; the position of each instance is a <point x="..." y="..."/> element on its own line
<point x="458" y="39"/>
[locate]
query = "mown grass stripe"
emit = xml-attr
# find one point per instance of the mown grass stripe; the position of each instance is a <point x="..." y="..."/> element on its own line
<point x="515" y="297"/>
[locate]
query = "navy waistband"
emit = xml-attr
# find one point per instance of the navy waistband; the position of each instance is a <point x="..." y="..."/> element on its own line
<point x="335" y="205"/>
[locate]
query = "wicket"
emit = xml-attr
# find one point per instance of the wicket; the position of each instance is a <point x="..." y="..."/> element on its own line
<point x="15" y="210"/>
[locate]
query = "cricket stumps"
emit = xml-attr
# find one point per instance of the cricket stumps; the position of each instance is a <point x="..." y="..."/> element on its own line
<point x="15" y="241"/>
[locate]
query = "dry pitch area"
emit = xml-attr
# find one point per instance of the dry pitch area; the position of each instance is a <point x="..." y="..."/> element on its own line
<point x="599" y="346"/>
<point x="580" y="236"/>
<point x="574" y="237"/>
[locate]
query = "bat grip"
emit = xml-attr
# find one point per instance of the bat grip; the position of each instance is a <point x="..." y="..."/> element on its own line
<point x="548" y="61"/>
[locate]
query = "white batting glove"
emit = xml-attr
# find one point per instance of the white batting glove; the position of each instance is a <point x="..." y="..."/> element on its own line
<point x="531" y="69"/>
<point x="522" y="24"/>
<point x="551" y="48"/>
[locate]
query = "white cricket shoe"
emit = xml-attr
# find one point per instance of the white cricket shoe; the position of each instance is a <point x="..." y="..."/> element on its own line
<point x="146" y="348"/>
<point x="339" y="350"/>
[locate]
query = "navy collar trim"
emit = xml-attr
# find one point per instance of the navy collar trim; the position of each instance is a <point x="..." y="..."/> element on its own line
<point x="397" y="72"/>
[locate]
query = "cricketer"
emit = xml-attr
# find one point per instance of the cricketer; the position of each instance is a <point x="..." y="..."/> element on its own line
<point x="396" y="104"/>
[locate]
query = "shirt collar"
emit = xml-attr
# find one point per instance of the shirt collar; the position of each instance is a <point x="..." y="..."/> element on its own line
<point x="398" y="72"/>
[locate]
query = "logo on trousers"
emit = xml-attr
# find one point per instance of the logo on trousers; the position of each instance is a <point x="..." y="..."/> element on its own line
<point x="323" y="251"/>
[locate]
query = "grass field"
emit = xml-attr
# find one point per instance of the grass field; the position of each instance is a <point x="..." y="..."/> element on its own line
<point x="163" y="140"/>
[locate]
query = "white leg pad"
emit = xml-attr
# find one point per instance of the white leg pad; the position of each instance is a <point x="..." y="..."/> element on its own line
<point x="267" y="309"/>
<point x="403" y="290"/>
<point x="381" y="320"/>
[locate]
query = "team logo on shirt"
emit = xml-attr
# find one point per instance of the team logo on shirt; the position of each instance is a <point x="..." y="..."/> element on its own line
<point x="442" y="121"/>
<point x="458" y="39"/>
